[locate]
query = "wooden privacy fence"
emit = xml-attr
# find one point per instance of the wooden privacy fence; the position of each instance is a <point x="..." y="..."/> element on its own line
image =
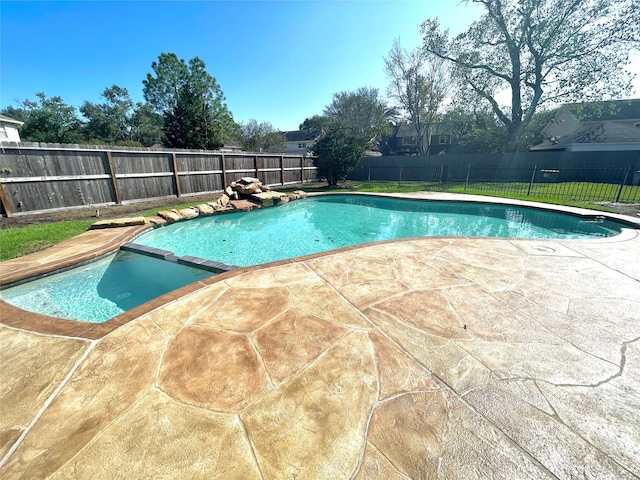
<point x="34" y="178"/>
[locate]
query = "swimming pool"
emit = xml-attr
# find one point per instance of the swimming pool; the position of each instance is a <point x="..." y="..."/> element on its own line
<point x="100" y="290"/>
<point x="328" y="222"/>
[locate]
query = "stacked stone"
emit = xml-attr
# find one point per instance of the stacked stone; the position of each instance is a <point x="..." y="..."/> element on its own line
<point x="246" y="194"/>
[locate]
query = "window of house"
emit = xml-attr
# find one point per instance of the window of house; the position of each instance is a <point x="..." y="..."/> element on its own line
<point x="3" y="132"/>
<point x="442" y="140"/>
<point x="302" y="145"/>
<point x="409" y="141"/>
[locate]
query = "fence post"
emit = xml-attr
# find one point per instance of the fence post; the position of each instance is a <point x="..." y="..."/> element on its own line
<point x="4" y="198"/>
<point x="441" y="173"/>
<point x="624" y="181"/>
<point x="174" y="161"/>
<point x="114" y="180"/>
<point x="255" y="165"/>
<point x="400" y="179"/>
<point x="302" y="169"/>
<point x="466" y="182"/>
<point x="224" y="171"/>
<point x="282" y="170"/>
<point x="533" y="176"/>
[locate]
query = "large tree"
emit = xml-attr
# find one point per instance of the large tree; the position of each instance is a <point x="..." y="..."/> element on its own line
<point x="202" y="118"/>
<point x="119" y="121"/>
<point x="541" y="52"/>
<point x="337" y="152"/>
<point x="362" y="111"/>
<point x="419" y="83"/>
<point x="47" y="120"/>
<point x="261" y="137"/>
<point x="109" y="121"/>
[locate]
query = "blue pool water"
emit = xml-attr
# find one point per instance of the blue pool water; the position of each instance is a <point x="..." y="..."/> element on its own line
<point x="100" y="290"/>
<point x="324" y="223"/>
<point x="105" y="288"/>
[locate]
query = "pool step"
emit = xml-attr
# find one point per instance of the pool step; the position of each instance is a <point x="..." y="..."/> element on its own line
<point x="195" y="262"/>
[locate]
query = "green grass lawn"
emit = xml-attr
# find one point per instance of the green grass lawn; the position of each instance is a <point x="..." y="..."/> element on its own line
<point x="15" y="242"/>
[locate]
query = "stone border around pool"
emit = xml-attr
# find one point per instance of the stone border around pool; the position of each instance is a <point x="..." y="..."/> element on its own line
<point x="38" y="323"/>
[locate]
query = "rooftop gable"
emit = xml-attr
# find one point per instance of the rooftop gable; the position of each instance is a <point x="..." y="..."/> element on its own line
<point x="605" y="111"/>
<point x="5" y="119"/>
<point x="301" y="135"/>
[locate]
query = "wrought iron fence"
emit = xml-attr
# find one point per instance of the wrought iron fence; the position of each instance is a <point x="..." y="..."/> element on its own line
<point x="563" y="184"/>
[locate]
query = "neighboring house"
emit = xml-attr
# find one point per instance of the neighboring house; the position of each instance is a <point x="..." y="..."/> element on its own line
<point x="404" y="140"/>
<point x="300" y="141"/>
<point x="9" y="129"/>
<point x="596" y="126"/>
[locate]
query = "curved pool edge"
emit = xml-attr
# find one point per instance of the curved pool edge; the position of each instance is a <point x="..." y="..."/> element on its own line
<point x="465" y="197"/>
<point x="38" y="323"/>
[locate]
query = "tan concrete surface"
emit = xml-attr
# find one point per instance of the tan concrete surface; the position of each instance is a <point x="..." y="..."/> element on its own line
<point x="425" y="358"/>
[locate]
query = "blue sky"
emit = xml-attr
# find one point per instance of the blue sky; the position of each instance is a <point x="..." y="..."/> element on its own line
<point x="278" y="62"/>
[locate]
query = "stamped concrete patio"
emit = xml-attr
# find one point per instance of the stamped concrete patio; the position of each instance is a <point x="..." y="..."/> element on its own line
<point x="425" y="358"/>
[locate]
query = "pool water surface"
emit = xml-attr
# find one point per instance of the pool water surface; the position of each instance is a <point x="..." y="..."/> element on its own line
<point x="103" y="289"/>
<point x="323" y="223"/>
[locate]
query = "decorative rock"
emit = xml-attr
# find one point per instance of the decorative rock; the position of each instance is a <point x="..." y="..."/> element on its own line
<point x="293" y="196"/>
<point x="243" y="205"/>
<point x="228" y="191"/>
<point x="302" y="193"/>
<point x="268" y="199"/>
<point x="170" y="215"/>
<point x="204" y="209"/>
<point x="119" y="222"/>
<point x="157" y="220"/>
<point x="281" y="200"/>
<point x="188" y="213"/>
<point x="223" y="200"/>
<point x="248" y="189"/>
<point x="249" y="180"/>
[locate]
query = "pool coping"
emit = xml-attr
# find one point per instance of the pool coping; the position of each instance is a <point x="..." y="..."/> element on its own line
<point x="17" y="318"/>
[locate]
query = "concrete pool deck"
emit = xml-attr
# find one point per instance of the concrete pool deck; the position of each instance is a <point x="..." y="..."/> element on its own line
<point x="423" y="358"/>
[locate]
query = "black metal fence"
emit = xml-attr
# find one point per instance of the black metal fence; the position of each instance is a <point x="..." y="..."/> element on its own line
<point x="614" y="177"/>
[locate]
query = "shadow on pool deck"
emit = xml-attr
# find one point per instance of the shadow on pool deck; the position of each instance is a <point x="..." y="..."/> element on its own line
<point x="423" y="358"/>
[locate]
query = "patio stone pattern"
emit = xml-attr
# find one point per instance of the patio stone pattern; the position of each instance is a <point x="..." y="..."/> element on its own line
<point x="424" y="358"/>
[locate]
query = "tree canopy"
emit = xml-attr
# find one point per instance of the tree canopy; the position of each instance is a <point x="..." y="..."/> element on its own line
<point x="337" y="152"/>
<point x="191" y="102"/>
<point x="47" y="120"/>
<point x="419" y="83"/>
<point x="261" y="137"/>
<point x="363" y="111"/>
<point x="540" y="52"/>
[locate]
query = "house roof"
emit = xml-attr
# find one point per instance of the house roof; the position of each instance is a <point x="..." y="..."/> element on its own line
<point x="301" y="135"/>
<point x="598" y="133"/>
<point x="610" y="110"/>
<point x="6" y="119"/>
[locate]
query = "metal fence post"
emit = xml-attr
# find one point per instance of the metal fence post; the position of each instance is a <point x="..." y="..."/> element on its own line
<point x="466" y="182"/>
<point x="533" y="176"/>
<point x="623" y="183"/>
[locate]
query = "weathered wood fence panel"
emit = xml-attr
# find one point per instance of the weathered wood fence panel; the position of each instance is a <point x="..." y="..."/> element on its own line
<point x="36" y="177"/>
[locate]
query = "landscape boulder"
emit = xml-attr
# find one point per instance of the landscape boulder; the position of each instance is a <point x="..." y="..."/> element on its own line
<point x="268" y="199"/>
